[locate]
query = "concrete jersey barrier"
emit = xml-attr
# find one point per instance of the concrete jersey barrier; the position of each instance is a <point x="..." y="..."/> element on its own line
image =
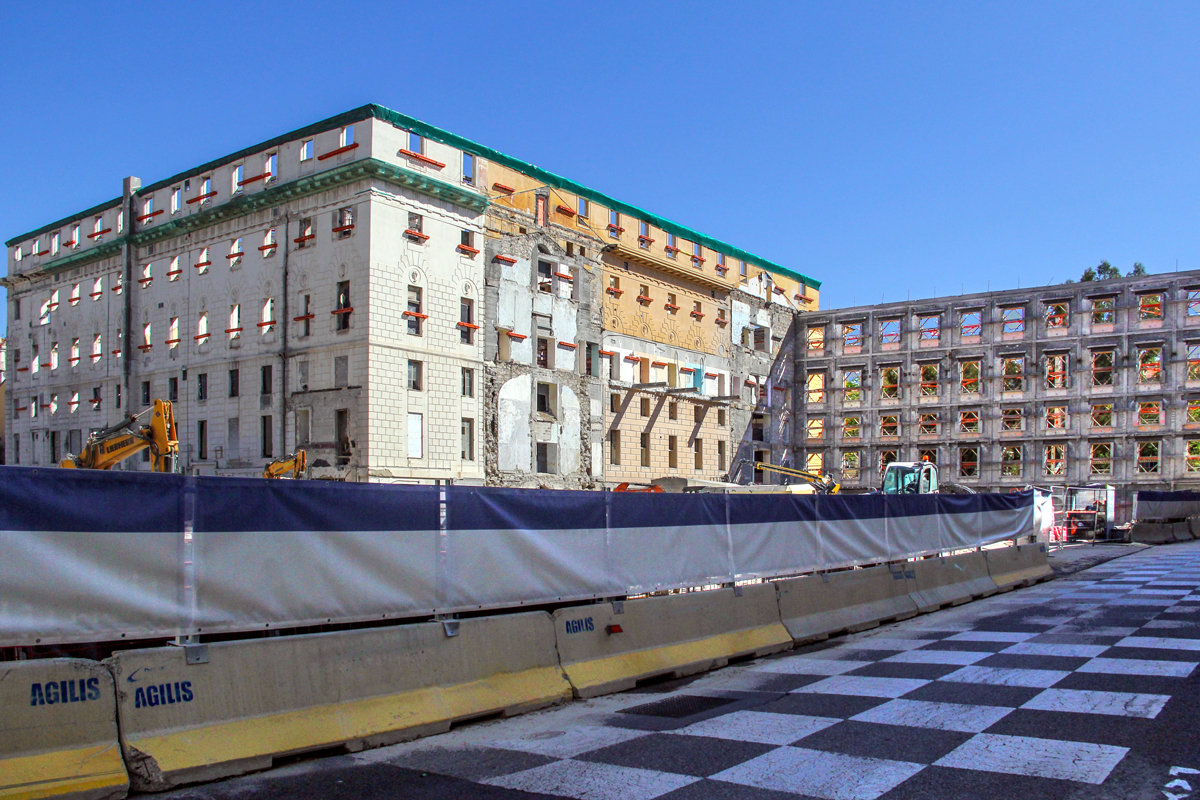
<point x="815" y="606"/>
<point x="609" y="647"/>
<point x="949" y="580"/>
<point x="1022" y="565"/>
<point x="1153" y="532"/>
<point x="252" y="701"/>
<point x="58" y="736"/>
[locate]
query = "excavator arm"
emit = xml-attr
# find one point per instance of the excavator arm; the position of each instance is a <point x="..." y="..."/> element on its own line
<point x="108" y="447"/>
<point x="825" y="485"/>
<point x="296" y="463"/>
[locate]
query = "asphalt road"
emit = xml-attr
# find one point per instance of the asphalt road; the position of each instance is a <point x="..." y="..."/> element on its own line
<point x="1083" y="687"/>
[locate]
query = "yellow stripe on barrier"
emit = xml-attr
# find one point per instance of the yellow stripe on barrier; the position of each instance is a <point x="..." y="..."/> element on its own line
<point x="684" y="659"/>
<point x="91" y="772"/>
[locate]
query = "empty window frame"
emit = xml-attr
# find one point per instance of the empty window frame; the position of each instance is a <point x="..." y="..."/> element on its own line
<point x="547" y="397"/>
<point x="815" y="387"/>
<point x="1012" y="419"/>
<point x="1150" y="365"/>
<point x="852" y="385"/>
<point x="1101" y="460"/>
<point x="889" y="425"/>
<point x="1192" y="457"/>
<point x="1102" y="415"/>
<point x="416" y="435"/>
<point x="889" y="382"/>
<point x="928" y="423"/>
<point x="1013" y="373"/>
<point x="1058" y="315"/>
<point x="1010" y="461"/>
<point x="1054" y="459"/>
<point x="343" y="223"/>
<point x="968" y="462"/>
<point x="1012" y="319"/>
<point x="815" y="429"/>
<point x="343" y="309"/>
<point x="1056" y="417"/>
<point x="851" y="427"/>
<point x="968" y="377"/>
<point x="235" y="322"/>
<point x="468" y="169"/>
<point x="1192" y="308"/>
<point x="672" y="452"/>
<point x="815" y="337"/>
<point x="970" y="323"/>
<point x="1150" y="307"/>
<point x="1056" y="371"/>
<point x="852" y="334"/>
<point x="645" y="449"/>
<point x="1150" y="413"/>
<point x="886" y="457"/>
<point x="1102" y="367"/>
<point x="968" y="421"/>
<point x="614" y="448"/>
<point x="930" y="328"/>
<point x="889" y="331"/>
<point x="466" y="321"/>
<point x="1104" y="310"/>
<point x="416" y="376"/>
<point x="468" y="440"/>
<point x="814" y="463"/>
<point x="850" y="465"/>
<point x="1193" y="409"/>
<point x="929" y="380"/>
<point x="413" y="313"/>
<point x="1148" y="457"/>
<point x="468" y="382"/>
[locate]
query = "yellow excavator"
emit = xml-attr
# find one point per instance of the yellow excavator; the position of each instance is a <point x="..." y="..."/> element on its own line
<point x="820" y="485"/>
<point x="295" y="464"/>
<point x="106" y="448"/>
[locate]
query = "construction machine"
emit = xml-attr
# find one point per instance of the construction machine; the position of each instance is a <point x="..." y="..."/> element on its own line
<point x="106" y="448"/>
<point x="820" y="484"/>
<point x="918" y="477"/>
<point x="295" y="463"/>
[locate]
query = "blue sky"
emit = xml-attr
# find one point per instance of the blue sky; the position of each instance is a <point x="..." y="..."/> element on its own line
<point x="886" y="149"/>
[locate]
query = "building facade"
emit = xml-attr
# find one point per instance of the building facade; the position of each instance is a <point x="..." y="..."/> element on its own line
<point x="404" y="304"/>
<point x="1075" y="384"/>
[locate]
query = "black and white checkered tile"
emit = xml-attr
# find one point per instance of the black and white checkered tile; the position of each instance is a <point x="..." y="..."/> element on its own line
<point x="1079" y="688"/>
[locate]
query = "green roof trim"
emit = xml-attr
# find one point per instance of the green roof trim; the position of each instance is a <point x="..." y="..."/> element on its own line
<point x="445" y="137"/>
<point x="65" y="221"/>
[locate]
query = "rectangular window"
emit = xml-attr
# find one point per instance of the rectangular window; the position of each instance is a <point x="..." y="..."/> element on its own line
<point x="1104" y="310"/>
<point x="547" y="458"/>
<point x="343" y="223"/>
<point x="266" y="373"/>
<point x="468" y="169"/>
<point x="267" y="436"/>
<point x="235" y="382"/>
<point x="1010" y="461"/>
<point x="413" y="315"/>
<point x="1101" y="459"/>
<point x="930" y="328"/>
<point x="929" y="380"/>
<point x="145" y="393"/>
<point x="1193" y="298"/>
<point x="543" y="353"/>
<point x="614" y="225"/>
<point x="468" y="440"/>
<point x="1013" y="370"/>
<point x="1193" y="361"/>
<point x="889" y="425"/>
<point x="852" y="385"/>
<point x="698" y="452"/>
<point x="1102" y="415"/>
<point x="1192" y="458"/>
<point x="850" y="462"/>
<point x="1056" y="417"/>
<point x="1056" y="371"/>
<point x="886" y="457"/>
<point x="1012" y="419"/>
<point x="415" y="368"/>
<point x="1150" y="307"/>
<point x="1147" y="457"/>
<point x="235" y="321"/>
<point x="547" y="396"/>
<point x="889" y="331"/>
<point x="889" y="382"/>
<point x="1013" y="319"/>
<point x="851" y="427"/>
<point x="815" y="338"/>
<point x="1149" y="365"/>
<point x="466" y="321"/>
<point x="672" y="447"/>
<point x="202" y="386"/>
<point x="671" y="248"/>
<point x="173" y="389"/>
<point x="1054" y="459"/>
<point x="468" y="382"/>
<point x="614" y="448"/>
<point x="1150" y="413"/>
<point x="929" y="423"/>
<point x="645" y="406"/>
<point x="582" y="209"/>
<point x="852" y="334"/>
<point x="968" y="421"/>
<point x="1057" y="315"/>
<point x="348" y="136"/>
<point x="416" y="435"/>
<point x="341" y="371"/>
<point x="721" y="455"/>
<point x="1193" y="409"/>
<point x="815" y="428"/>
<point x="306" y="150"/>
<point x="202" y="439"/>
<point x="1102" y="368"/>
<point x="970" y="323"/>
<point x="645" y="449"/>
<point x="968" y="382"/>
<point x="343" y="309"/>
<point x="815" y="387"/>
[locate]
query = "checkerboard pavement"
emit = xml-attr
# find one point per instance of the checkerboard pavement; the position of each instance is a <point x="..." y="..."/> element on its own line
<point x="1085" y="687"/>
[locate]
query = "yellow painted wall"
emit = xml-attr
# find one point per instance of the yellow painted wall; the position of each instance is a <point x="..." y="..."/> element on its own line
<point x="630" y="422"/>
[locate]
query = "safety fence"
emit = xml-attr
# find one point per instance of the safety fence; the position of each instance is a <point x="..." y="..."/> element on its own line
<point x="1166" y="505"/>
<point x="91" y="557"/>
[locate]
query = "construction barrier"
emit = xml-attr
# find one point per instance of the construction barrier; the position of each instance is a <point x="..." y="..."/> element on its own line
<point x="58" y="737"/>
<point x="816" y="606"/>
<point x="1022" y="565"/>
<point x="1156" y="532"/>
<point x="949" y="580"/>
<point x="1194" y="527"/>
<point x="609" y="647"/>
<point x="207" y="711"/>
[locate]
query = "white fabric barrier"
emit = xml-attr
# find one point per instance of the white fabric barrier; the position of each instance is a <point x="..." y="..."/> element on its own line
<point x="91" y="556"/>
